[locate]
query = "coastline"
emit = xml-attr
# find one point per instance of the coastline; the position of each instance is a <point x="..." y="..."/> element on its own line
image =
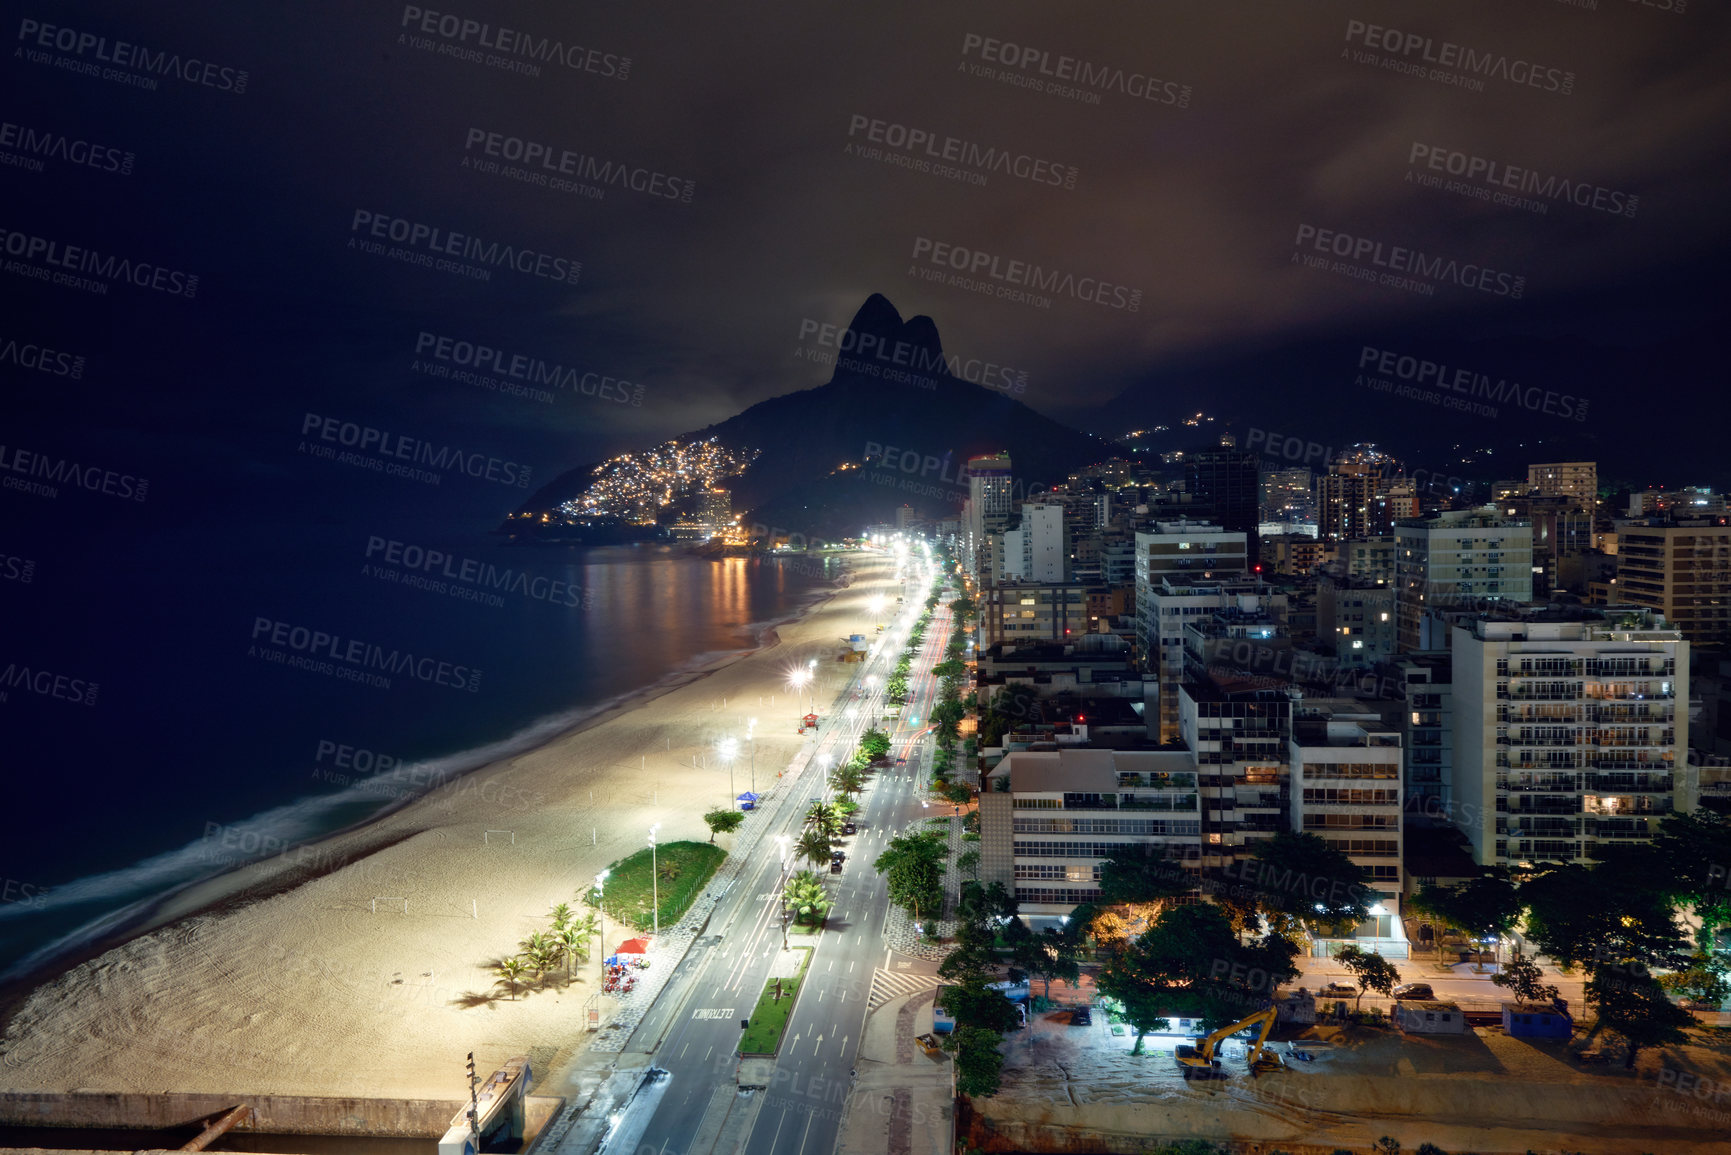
<point x="183" y="913"/>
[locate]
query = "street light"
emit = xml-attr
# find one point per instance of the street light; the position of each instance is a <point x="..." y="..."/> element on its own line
<point x="654" y="881"/>
<point x="783" y="841"/>
<point x="601" y="904"/>
<point x="725" y="750"/>
<point x="749" y="727"/>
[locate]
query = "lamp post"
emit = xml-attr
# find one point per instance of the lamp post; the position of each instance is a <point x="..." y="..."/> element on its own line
<point x="654" y="882"/>
<point x="783" y="840"/>
<point x="726" y="749"/>
<point x="601" y="905"/>
<point x="752" y="738"/>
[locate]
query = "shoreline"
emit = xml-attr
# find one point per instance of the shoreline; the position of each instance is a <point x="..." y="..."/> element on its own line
<point x="244" y="884"/>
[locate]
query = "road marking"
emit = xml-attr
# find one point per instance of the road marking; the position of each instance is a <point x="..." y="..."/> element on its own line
<point x="713" y="1013"/>
<point x="706" y="1053"/>
<point x="684" y="1049"/>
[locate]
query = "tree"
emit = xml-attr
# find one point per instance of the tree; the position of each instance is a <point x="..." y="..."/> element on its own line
<point x="806" y="897"/>
<point x="1486" y="907"/>
<point x="1703" y="980"/>
<point x="1048" y="955"/>
<point x="847" y="778"/>
<point x="1521" y="977"/>
<point x="979" y="1063"/>
<point x="1580" y="914"/>
<point x="952" y="668"/>
<point x="560" y="914"/>
<point x="1303" y="876"/>
<point x="821" y="816"/>
<point x="957" y="793"/>
<point x="968" y="861"/>
<point x="540" y="952"/>
<point x="974" y="1004"/>
<point x="875" y="743"/>
<point x="913" y="867"/>
<point x="510" y="970"/>
<point x="1693" y="851"/>
<point x="1373" y="972"/>
<point x="1142" y="878"/>
<point x="722" y="820"/>
<point x="814" y="846"/>
<point x="573" y="939"/>
<point x="963" y="609"/>
<point x="1635" y="1006"/>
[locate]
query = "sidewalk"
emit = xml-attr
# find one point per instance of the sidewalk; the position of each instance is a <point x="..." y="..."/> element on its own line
<point x="902" y="1101"/>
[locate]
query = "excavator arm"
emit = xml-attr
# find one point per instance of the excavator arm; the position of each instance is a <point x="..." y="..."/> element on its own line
<point x="1205" y="1048"/>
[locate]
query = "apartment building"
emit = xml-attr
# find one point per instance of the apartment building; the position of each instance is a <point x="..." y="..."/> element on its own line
<point x="1418" y="702"/>
<point x="1459" y="557"/>
<point x="1014" y="612"/>
<point x="1049" y="819"/>
<point x="1344" y="766"/>
<point x="1575" y="480"/>
<point x="1681" y="568"/>
<point x="1369" y="558"/>
<point x="1356" y="617"/>
<point x="1162" y="616"/>
<point x="1567" y="733"/>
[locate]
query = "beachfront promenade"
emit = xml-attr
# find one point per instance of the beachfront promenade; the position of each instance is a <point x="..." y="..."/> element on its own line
<point x="294" y="990"/>
<point x="798" y="1102"/>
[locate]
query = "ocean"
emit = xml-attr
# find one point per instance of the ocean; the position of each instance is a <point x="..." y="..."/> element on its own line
<point x="213" y="700"/>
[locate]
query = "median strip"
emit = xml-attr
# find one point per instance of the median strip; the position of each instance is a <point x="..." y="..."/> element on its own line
<point x="768" y="1022"/>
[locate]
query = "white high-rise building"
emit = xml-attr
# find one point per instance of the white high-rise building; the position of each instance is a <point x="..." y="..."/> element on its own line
<point x="1568" y="734"/>
<point x="1044" y="543"/>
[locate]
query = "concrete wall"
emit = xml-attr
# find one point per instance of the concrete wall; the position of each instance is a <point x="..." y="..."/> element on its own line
<point x="273" y="1114"/>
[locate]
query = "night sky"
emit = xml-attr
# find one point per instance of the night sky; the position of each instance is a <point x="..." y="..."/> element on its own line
<point x="1186" y="155"/>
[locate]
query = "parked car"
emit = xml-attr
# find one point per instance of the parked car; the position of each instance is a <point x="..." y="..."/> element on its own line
<point x="835" y="866"/>
<point x="1413" y="991"/>
<point x="838" y="856"/>
<point x="1081" y="1017"/>
<point x="849" y="828"/>
<point x="1340" y="990"/>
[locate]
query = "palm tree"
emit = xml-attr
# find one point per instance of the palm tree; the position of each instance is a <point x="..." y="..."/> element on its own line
<point x="510" y="970"/>
<point x="813" y="846"/>
<point x="574" y="945"/>
<point x="561" y="916"/>
<point x="541" y="952"/>
<point x="821" y="816"/>
<point x="847" y="778"/>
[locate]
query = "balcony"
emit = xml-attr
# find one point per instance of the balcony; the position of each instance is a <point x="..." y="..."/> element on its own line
<point x="1629" y="783"/>
<point x="1640" y="765"/>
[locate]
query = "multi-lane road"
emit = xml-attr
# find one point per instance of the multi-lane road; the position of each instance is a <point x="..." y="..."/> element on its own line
<point x="693" y="1030"/>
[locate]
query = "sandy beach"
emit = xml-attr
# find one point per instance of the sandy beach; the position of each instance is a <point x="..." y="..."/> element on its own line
<point x="282" y="978"/>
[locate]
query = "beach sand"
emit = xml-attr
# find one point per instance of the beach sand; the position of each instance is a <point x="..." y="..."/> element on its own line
<point x="278" y="980"/>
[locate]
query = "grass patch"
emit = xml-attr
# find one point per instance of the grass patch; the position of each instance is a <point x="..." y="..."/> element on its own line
<point x="769" y="1017"/>
<point x="630" y="886"/>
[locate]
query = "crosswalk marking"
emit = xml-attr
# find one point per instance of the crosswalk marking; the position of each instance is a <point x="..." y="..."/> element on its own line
<point x="887" y="985"/>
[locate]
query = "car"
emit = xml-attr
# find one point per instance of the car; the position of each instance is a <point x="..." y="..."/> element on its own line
<point x="838" y="856"/>
<point x="835" y="866"/>
<point x="1081" y="1017"/>
<point x="1413" y="991"/>
<point x="849" y="828"/>
<point x="1339" y="990"/>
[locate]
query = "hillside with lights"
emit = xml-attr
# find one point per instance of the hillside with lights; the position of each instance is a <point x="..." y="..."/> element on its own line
<point x="803" y="461"/>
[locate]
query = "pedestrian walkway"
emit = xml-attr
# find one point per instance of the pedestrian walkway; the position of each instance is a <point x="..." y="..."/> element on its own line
<point x="895" y="984"/>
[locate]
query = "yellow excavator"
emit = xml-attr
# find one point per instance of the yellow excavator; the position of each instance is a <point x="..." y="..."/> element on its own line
<point x="1200" y="1061"/>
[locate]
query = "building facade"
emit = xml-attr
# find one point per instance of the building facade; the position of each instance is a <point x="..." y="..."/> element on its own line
<point x="1568" y="735"/>
<point x="1460" y="557"/>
